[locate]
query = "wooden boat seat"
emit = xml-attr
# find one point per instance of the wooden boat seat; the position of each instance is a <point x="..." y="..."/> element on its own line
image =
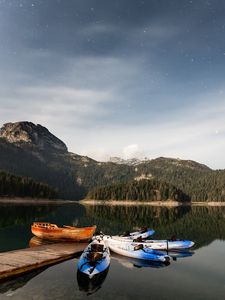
<point x="44" y="225"/>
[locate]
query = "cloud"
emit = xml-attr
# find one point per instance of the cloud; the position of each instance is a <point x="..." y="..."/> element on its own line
<point x="56" y="102"/>
<point x="197" y="133"/>
<point x="132" y="151"/>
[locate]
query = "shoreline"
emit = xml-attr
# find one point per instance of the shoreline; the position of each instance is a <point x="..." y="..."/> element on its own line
<point x="150" y="203"/>
<point x="35" y="201"/>
<point x="170" y="203"/>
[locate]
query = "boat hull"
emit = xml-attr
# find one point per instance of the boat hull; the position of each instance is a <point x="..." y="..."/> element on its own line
<point x="170" y="245"/>
<point x="64" y="234"/>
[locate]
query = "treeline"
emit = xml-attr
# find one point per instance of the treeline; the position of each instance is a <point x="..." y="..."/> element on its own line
<point x="210" y="187"/>
<point x="16" y="186"/>
<point x="197" y="181"/>
<point x="142" y="190"/>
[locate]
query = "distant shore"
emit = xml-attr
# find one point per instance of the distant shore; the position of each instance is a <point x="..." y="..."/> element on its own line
<point x="169" y="203"/>
<point x="34" y="200"/>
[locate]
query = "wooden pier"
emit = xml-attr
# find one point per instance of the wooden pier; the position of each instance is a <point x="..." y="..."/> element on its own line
<point x="18" y="262"/>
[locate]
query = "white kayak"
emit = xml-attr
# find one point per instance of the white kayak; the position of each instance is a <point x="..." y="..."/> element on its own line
<point x="168" y="244"/>
<point x="95" y="258"/>
<point x="143" y="233"/>
<point x="156" y="244"/>
<point x="136" y="250"/>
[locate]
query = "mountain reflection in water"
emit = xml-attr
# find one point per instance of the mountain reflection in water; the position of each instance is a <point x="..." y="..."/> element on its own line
<point x="201" y="224"/>
<point x="190" y="275"/>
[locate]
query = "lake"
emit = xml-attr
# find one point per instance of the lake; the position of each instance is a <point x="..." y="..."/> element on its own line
<point x="198" y="274"/>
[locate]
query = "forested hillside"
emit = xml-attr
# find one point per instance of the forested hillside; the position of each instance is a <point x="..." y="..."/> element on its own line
<point x="30" y="150"/>
<point x="15" y="186"/>
<point x="142" y="190"/>
<point x="198" y="181"/>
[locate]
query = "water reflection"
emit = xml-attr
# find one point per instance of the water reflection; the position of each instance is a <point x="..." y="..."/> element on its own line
<point x="91" y="285"/>
<point x="203" y="225"/>
<point x="129" y="262"/>
<point x="9" y="287"/>
<point x="200" y="224"/>
<point x="36" y="241"/>
<point x="18" y="215"/>
<point x="16" y="220"/>
<point x="194" y="275"/>
<point x="177" y="254"/>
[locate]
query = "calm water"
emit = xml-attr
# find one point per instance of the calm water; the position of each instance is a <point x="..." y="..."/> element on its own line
<point x="200" y="274"/>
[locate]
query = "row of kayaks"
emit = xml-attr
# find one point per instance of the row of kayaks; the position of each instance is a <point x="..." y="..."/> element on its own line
<point x="132" y="249"/>
<point x="96" y="256"/>
<point x="50" y="231"/>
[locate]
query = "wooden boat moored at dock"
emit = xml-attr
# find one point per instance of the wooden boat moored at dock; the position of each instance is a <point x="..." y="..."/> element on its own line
<point x="50" y="231"/>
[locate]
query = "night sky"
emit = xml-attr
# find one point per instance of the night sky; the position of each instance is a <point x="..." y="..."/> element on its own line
<point x="118" y="77"/>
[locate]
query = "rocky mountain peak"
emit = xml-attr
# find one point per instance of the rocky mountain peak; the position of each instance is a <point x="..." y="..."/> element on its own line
<point x="131" y="162"/>
<point x="30" y="133"/>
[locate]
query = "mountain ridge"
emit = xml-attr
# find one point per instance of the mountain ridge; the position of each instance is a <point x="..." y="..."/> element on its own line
<point x="31" y="150"/>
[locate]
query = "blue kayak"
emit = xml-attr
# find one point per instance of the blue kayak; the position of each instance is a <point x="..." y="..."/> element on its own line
<point x="143" y="233"/>
<point x="135" y="250"/>
<point x="95" y="258"/>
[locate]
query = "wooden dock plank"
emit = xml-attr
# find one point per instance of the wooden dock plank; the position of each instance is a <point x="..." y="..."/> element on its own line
<point x="17" y="262"/>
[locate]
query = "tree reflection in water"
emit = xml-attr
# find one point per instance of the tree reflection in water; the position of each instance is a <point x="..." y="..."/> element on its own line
<point x="201" y="224"/>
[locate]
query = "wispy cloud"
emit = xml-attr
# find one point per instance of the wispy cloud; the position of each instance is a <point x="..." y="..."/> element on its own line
<point x="56" y="102"/>
<point x="196" y="133"/>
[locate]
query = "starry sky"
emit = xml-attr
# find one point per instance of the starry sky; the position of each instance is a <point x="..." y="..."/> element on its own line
<point x="126" y="78"/>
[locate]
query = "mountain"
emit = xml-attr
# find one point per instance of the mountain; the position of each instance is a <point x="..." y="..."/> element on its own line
<point x="31" y="150"/>
<point x="27" y="133"/>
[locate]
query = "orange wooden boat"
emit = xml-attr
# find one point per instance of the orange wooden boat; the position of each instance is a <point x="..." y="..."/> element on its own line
<point x="66" y="233"/>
